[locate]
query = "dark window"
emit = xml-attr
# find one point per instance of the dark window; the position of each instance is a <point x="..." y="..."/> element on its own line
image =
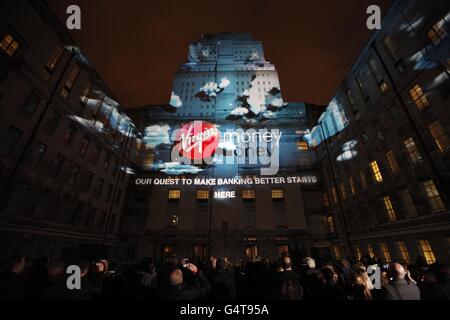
<point x="57" y="165"/>
<point x="115" y="168"/>
<point x="76" y="216"/>
<point x="118" y="197"/>
<point x="31" y="104"/>
<point x="70" y="135"/>
<point x="101" y="221"/>
<point x="51" y="124"/>
<point x="84" y="145"/>
<point x="107" y="162"/>
<point x="87" y="181"/>
<point x="96" y="154"/>
<point x="99" y="187"/>
<point x="91" y="218"/>
<point x="10" y="141"/>
<point x="110" y="192"/>
<point x="73" y="174"/>
<point x="3" y="74"/>
<point x="112" y="224"/>
<point x="35" y="154"/>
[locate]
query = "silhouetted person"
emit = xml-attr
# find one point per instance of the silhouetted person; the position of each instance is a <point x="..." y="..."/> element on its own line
<point x="288" y="287"/>
<point x="180" y="290"/>
<point x="11" y="280"/>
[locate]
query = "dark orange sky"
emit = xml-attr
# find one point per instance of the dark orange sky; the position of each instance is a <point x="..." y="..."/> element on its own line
<point x="136" y="45"/>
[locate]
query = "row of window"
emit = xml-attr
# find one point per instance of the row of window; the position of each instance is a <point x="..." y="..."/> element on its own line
<point x="247" y="195"/>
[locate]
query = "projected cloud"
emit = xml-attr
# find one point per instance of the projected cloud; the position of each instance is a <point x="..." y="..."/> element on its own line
<point x="240" y="111"/>
<point x="156" y="135"/>
<point x="175" y="101"/>
<point x="348" y="152"/>
<point x="227" y="146"/>
<point x="212" y="89"/>
<point x="176" y="168"/>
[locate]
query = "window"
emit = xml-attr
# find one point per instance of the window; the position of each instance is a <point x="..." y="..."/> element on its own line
<point x="85" y="145"/>
<point x="118" y="197"/>
<point x="392" y="162"/>
<point x="96" y="154"/>
<point x="403" y="251"/>
<point x="70" y="135"/>
<point x="370" y="251"/>
<point x="174" y="194"/>
<point x="31" y="104"/>
<point x="87" y="181"/>
<point x="376" y="172"/>
<point x="109" y="193"/>
<point x="326" y="200"/>
<point x="35" y="154"/>
<point x="52" y="122"/>
<point x="343" y="191"/>
<point x="440" y="136"/>
<point x="330" y="224"/>
<point x="390" y="46"/>
<point x="413" y="151"/>
<point x="408" y="204"/>
<point x="427" y="251"/>
<point x="351" y="182"/>
<point x="350" y="97"/>
<point x="277" y="194"/>
<point x="9" y="45"/>
<point x="202" y="195"/>
<point x="418" y="97"/>
<point x="70" y="81"/>
<point x="99" y="187"/>
<point x="335" y="195"/>
<point x="389" y="209"/>
<point x="385" y="252"/>
<point x="248" y="195"/>
<point x="57" y="165"/>
<point x="438" y="32"/>
<point x="383" y="86"/>
<point x="73" y="174"/>
<point x="10" y="141"/>
<point x="302" y="146"/>
<point x="363" y="179"/>
<point x="53" y="62"/>
<point x="336" y="252"/>
<point x="433" y="196"/>
<point x="107" y="162"/>
<point x="358" y="253"/>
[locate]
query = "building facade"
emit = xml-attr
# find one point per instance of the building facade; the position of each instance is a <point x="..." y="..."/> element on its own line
<point x="385" y="156"/>
<point x="63" y="140"/>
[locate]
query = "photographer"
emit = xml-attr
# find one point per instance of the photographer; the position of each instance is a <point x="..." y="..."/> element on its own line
<point x="180" y="289"/>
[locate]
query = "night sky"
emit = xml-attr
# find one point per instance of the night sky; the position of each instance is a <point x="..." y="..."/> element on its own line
<point x="136" y="45"/>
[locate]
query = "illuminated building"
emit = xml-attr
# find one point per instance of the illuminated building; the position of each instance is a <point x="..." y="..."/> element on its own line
<point x="228" y="83"/>
<point x="387" y="140"/>
<point x="62" y="138"/>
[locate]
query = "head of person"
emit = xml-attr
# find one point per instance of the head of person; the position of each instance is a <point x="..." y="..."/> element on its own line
<point x="287" y="263"/>
<point x="330" y="275"/>
<point x="345" y="263"/>
<point x="16" y="264"/>
<point x="396" y="271"/>
<point x="213" y="262"/>
<point x="84" y="268"/>
<point x="56" y="269"/>
<point x="309" y="262"/>
<point x="176" y="277"/>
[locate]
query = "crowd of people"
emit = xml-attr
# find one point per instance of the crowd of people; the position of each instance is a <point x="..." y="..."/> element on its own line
<point x="220" y="279"/>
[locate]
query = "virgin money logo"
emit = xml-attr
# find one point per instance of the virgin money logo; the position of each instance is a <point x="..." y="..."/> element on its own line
<point x="198" y="140"/>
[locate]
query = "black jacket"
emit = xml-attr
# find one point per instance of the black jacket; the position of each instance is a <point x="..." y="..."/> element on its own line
<point x="400" y="289"/>
<point x="11" y="286"/>
<point x="197" y="290"/>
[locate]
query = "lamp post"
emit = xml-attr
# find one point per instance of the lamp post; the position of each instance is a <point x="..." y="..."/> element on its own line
<point x="341" y="208"/>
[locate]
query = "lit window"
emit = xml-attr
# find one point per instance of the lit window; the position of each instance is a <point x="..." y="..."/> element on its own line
<point x="427" y="251"/>
<point x="326" y="200"/>
<point x="408" y="204"/>
<point x="302" y="146"/>
<point x="335" y="195"/>
<point x="70" y="81"/>
<point x="403" y="250"/>
<point x="413" y="151"/>
<point x="389" y="209"/>
<point x="392" y="162"/>
<point x="9" y="45"/>
<point x="343" y="191"/>
<point x="440" y="136"/>
<point x="202" y="194"/>
<point x="174" y="220"/>
<point x="351" y="182"/>
<point x="390" y="46"/>
<point x="330" y="224"/>
<point x="174" y="194"/>
<point x="370" y="251"/>
<point x="248" y="194"/>
<point x="433" y="196"/>
<point x="418" y="97"/>
<point x="337" y="252"/>
<point x="362" y="176"/>
<point x="385" y="252"/>
<point x="52" y="62"/>
<point x="376" y="172"/>
<point x="358" y="253"/>
<point x="383" y="86"/>
<point x="277" y="194"/>
<point x="438" y="32"/>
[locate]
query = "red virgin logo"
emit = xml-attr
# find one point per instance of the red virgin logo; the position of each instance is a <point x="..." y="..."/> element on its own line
<point x="198" y="140"/>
